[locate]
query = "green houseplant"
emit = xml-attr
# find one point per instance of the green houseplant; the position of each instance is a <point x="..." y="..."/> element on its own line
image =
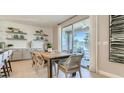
<point x="0" y="46"/>
<point x="49" y="47"/>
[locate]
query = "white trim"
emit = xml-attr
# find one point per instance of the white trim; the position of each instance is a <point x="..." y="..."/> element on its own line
<point x="110" y="75"/>
<point x="97" y="43"/>
<point x="59" y="38"/>
<point x="93" y="43"/>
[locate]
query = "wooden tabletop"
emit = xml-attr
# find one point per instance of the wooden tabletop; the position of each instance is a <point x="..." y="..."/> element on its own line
<point x="54" y="54"/>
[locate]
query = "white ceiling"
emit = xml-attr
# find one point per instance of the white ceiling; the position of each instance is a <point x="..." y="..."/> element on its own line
<point x="36" y="20"/>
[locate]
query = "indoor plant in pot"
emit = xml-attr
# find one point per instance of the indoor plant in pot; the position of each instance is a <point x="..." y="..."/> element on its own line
<point x="49" y="47"/>
<point x="1" y="47"/>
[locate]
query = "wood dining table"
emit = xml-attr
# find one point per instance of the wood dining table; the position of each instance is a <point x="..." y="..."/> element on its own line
<point x="49" y="57"/>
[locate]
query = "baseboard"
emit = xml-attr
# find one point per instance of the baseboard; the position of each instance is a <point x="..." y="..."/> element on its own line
<point x="110" y="75"/>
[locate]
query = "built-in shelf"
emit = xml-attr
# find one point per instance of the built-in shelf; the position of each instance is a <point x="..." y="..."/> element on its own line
<point x="14" y="39"/>
<point x="16" y="32"/>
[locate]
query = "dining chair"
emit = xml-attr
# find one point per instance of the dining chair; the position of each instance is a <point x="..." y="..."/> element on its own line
<point x="33" y="56"/>
<point x="38" y="61"/>
<point x="2" y="66"/>
<point x="9" y="60"/>
<point x="71" y="65"/>
<point x="5" y="60"/>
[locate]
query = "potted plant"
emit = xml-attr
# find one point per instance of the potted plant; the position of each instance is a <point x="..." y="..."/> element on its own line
<point x="49" y="47"/>
<point x="1" y="47"/>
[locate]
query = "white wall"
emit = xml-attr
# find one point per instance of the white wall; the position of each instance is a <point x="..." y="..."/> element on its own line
<point x="103" y="51"/>
<point x="29" y="29"/>
<point x="55" y="37"/>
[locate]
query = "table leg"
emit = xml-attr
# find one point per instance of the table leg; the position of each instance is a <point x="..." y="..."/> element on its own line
<point x="49" y="68"/>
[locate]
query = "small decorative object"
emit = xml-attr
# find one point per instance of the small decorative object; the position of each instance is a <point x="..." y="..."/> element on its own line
<point x="41" y="31"/>
<point x="37" y="32"/>
<point x="21" y="36"/>
<point x="49" y="47"/>
<point x="20" y="31"/>
<point x="15" y="36"/>
<point x="11" y="28"/>
<point x="41" y="38"/>
<point x="10" y="45"/>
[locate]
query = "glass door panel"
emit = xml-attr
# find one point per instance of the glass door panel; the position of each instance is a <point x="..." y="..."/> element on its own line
<point x="81" y="40"/>
<point x="67" y="39"/>
<point x="75" y="39"/>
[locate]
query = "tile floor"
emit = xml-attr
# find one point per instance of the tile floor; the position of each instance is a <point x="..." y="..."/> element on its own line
<point x="23" y="69"/>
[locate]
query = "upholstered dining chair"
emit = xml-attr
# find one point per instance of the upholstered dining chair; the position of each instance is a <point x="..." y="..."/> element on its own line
<point x="71" y="65"/>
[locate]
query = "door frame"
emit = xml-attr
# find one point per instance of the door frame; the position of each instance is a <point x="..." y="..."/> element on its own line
<point x="94" y="43"/>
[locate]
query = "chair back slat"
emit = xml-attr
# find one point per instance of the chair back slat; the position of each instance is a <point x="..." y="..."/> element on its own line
<point x="39" y="58"/>
<point x="33" y="57"/>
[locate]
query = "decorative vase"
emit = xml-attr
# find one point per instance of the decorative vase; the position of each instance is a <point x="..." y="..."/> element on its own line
<point x="50" y="50"/>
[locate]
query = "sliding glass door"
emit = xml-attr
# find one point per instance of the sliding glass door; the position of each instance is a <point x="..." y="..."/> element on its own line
<point x="75" y="39"/>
